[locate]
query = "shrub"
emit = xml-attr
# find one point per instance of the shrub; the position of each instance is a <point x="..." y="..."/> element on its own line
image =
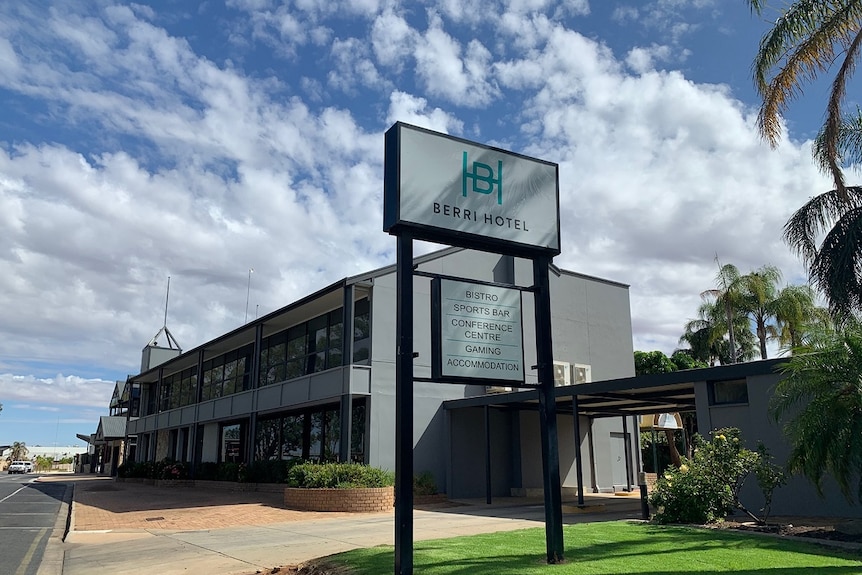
<point x="338" y="475"/>
<point x="424" y="484"/>
<point x="135" y="469"/>
<point x="207" y="471"/>
<point x="168" y="468"/>
<point x="270" y="470"/>
<point x="706" y="488"/>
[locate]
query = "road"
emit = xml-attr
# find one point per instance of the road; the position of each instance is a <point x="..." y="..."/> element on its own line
<point x="28" y="511"/>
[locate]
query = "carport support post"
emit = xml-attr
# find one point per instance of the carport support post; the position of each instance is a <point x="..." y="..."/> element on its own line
<point x="404" y="407"/>
<point x="548" y="412"/>
<point x="579" y="472"/>
<point x="488" y="455"/>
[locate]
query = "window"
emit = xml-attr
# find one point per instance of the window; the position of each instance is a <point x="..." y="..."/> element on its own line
<point x="227" y="374"/>
<point x="361" y="331"/>
<point x="267" y="439"/>
<point x="305" y="348"/>
<point x="178" y="389"/>
<point x="357" y="432"/>
<point x="726" y="392"/>
<point x="231" y="443"/>
<point x="313" y="434"/>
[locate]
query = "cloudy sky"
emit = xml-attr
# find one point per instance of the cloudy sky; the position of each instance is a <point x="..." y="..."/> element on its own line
<point x="198" y="140"/>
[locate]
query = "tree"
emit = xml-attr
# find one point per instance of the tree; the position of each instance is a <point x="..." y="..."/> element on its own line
<point x="835" y="266"/>
<point x="705" y="335"/>
<point x="796" y="315"/>
<point x="729" y="297"/>
<point x="647" y="362"/>
<point x="819" y="404"/>
<point x="805" y="40"/>
<point x="19" y="451"/>
<point x="706" y="487"/>
<point x="759" y="295"/>
<point x="653" y="362"/>
<point x="684" y="360"/>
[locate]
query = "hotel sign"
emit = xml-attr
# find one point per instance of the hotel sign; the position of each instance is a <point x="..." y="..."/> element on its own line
<point x="478" y="332"/>
<point x="462" y="193"/>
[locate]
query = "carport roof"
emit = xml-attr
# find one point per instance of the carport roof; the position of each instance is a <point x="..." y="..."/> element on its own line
<point x="641" y="395"/>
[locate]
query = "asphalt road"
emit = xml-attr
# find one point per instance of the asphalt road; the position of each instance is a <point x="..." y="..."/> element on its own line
<point x="28" y="512"/>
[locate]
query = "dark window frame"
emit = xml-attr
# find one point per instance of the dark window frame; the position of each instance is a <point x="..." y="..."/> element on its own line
<point x="728" y="392"/>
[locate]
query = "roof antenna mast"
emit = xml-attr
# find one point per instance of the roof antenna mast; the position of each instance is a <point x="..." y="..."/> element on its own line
<point x="172" y="343"/>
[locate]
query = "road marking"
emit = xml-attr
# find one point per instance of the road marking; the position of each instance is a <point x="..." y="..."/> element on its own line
<point x="28" y="557"/>
<point x="12" y="494"/>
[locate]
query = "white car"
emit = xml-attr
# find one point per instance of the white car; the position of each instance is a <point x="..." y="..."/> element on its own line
<point x="21" y="467"/>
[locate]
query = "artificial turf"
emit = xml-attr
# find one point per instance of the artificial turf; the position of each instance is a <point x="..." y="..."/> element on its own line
<point x="611" y="548"/>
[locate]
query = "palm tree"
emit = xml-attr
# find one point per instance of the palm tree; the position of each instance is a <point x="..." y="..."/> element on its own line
<point x="705" y="335"/>
<point x="19" y="451"/>
<point x="835" y="266"/>
<point x="759" y="294"/>
<point x="796" y="315"/>
<point x="806" y="39"/>
<point x="729" y="297"/>
<point x="819" y="403"/>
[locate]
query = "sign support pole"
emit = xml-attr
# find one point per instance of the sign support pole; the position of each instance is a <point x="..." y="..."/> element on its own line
<point x="548" y="413"/>
<point x="404" y="407"/>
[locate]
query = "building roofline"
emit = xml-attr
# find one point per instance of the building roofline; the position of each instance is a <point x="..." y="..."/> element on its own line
<point x="250" y="326"/>
<point x="339" y="284"/>
<point x="672" y="385"/>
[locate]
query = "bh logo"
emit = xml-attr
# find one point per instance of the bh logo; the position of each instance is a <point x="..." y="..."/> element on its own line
<point x="483" y="179"/>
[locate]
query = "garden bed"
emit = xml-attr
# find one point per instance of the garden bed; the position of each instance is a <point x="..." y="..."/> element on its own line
<point x="352" y="500"/>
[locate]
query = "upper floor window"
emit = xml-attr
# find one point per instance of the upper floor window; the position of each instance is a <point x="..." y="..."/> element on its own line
<point x="227" y="374"/>
<point x="178" y="389"/>
<point x="361" y="331"/>
<point x="305" y="348"/>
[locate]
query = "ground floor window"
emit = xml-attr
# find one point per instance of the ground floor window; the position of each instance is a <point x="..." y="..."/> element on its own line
<point x="232" y="443"/>
<point x="311" y="434"/>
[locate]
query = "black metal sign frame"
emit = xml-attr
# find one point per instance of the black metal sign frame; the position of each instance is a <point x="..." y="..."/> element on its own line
<point x="541" y="258"/>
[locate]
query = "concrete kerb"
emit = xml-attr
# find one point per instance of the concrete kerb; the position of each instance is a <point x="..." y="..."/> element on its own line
<point x="52" y="560"/>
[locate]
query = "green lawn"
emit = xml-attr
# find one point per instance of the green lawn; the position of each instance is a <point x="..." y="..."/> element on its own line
<point x="609" y="549"/>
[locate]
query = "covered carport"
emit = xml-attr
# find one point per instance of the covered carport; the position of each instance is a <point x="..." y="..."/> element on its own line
<point x="626" y="398"/>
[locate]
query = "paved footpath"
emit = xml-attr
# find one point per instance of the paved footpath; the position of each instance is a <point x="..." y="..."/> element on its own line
<point x="121" y="528"/>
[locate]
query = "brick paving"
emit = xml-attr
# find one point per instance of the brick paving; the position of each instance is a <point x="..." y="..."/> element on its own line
<point x="101" y="503"/>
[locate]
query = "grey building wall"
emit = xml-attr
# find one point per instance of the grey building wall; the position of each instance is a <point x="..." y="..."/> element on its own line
<point x="799" y="496"/>
<point x="591" y="325"/>
<point x="591" y="322"/>
<point x="429" y="429"/>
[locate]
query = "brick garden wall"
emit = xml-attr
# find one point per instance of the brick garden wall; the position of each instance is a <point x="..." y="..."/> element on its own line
<point x="359" y="500"/>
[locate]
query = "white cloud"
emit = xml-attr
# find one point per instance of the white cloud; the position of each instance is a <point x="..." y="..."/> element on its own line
<point x="60" y="390"/>
<point x="642" y="60"/>
<point x="200" y="167"/>
<point x="414" y="110"/>
<point x="392" y="39"/>
<point x="463" y="82"/>
<point x="353" y="67"/>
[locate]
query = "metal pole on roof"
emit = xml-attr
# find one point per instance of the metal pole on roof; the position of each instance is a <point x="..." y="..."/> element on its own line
<point x="247" y="293"/>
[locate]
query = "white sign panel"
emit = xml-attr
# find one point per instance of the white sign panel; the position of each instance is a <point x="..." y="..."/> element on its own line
<point x="442" y="184"/>
<point x="481" y="334"/>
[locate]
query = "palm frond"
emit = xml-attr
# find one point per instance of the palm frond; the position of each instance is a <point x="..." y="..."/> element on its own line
<point x="832" y="126"/>
<point x="837" y="267"/>
<point x="803" y="42"/>
<point x="816" y="217"/>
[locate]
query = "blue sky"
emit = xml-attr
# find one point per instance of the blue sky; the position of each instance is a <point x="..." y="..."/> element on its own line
<point x="198" y="140"/>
